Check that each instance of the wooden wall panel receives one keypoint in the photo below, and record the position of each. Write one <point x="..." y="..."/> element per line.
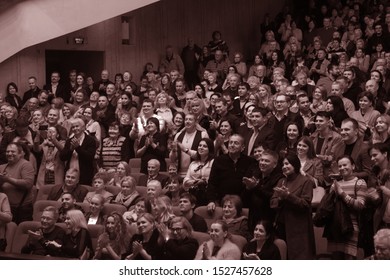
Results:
<point x="156" y="25"/>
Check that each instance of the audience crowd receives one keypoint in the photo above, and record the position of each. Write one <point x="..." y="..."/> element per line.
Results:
<point x="231" y="150"/>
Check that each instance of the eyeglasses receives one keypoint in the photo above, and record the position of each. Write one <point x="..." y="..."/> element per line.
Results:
<point x="178" y="230"/>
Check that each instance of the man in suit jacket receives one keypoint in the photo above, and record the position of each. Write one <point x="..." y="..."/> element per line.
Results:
<point x="153" y="174"/>
<point x="56" y="89"/>
<point x="261" y="133"/>
<point x="70" y="185"/>
<point x="79" y="152"/>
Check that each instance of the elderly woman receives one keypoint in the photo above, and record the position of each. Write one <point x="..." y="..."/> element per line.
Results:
<point x="232" y="216"/>
<point x="153" y="145"/>
<point x="95" y="215"/>
<point x="128" y="194"/>
<point x="179" y="243"/>
<point x="219" y="247"/>
<point x="292" y="199"/>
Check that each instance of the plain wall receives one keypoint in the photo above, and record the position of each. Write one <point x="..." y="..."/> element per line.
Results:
<point x="155" y="26"/>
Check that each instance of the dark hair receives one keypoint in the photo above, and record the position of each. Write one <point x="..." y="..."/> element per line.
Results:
<point x="269" y="229"/>
<point x="338" y="104"/>
<point x="230" y="122"/>
<point x="244" y="84"/>
<point x="367" y="94"/>
<point x="354" y="122"/>
<point x="13" y="85"/>
<point x="311" y="153"/>
<point x="189" y="196"/>
<point x="155" y="121"/>
<point x="347" y="157"/>
<point x="286" y="127"/>
<point x="215" y="33"/>
<point x="210" y="145"/>
<point x="294" y="161"/>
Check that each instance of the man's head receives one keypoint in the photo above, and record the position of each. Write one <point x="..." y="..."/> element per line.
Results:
<point x="52" y="117"/>
<point x="72" y="177"/>
<point x="32" y="83"/>
<point x="14" y="153"/>
<point x="322" y="120"/>
<point x="21" y="127"/>
<point x="190" y="121"/>
<point x="221" y="107"/>
<point x="258" y="117"/>
<point x="147" y="107"/>
<point x="382" y="244"/>
<point x="303" y="103"/>
<point x="218" y="55"/>
<point x="110" y="89"/>
<point x="260" y="71"/>
<point x="187" y="203"/>
<point x="372" y="86"/>
<point x="349" y="73"/>
<point x="333" y="70"/>
<point x="243" y="89"/>
<point x="49" y="218"/>
<point x="153" y="189"/>
<point x="72" y="75"/>
<point x="179" y="86"/>
<point x="349" y="130"/>
<point x="281" y="103"/>
<point x="104" y="75"/>
<point x="67" y="200"/>
<point x="43" y="98"/>
<point x="268" y="161"/>
<point x="153" y="167"/>
<point x="229" y="100"/>
<point x="55" y="77"/>
<point x="301" y="78"/>
<point x="236" y="145"/>
<point x="234" y="80"/>
<point x="78" y="127"/>
<point x="102" y="102"/>
<point x="336" y="89"/>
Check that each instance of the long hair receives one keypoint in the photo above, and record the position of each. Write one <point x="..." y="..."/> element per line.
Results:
<point x="311" y="153"/>
<point x="210" y="146"/>
<point x="77" y="219"/>
<point x="120" y="237"/>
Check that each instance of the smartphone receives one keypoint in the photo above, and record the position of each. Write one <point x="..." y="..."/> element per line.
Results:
<point x="43" y="127"/>
<point x="336" y="177"/>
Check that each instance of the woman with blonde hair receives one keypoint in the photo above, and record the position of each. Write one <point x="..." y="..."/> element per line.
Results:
<point x="77" y="242"/>
<point x="381" y="130"/>
<point x="319" y="99"/>
<point x="162" y="107"/>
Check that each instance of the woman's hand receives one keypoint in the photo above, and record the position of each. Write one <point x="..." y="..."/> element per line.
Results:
<point x="337" y="188"/>
<point x="205" y="252"/>
<point x="137" y="247"/>
<point x="250" y="256"/>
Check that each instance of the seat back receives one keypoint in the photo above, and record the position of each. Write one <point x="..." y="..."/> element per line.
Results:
<point x="109" y="208"/>
<point x="209" y="217"/>
<point x="10" y="231"/>
<point x="95" y="231"/>
<point x="84" y="205"/>
<point x="42" y="204"/>
<point x="21" y="235"/>
<point x="282" y="246"/>
<point x="43" y="192"/>
<point x="135" y="165"/>
<point x="136" y="176"/>
<point x="201" y="237"/>
<point x="113" y="189"/>
<point x="239" y="240"/>
<point x="141" y="190"/>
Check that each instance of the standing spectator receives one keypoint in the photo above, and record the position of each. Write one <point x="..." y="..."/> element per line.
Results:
<point x="12" y="96"/>
<point x="104" y="81"/>
<point x="190" y="56"/>
<point x="79" y="151"/>
<point x="172" y="61"/>
<point x="17" y="178"/>
<point x="292" y="201"/>
<point x="33" y="91"/>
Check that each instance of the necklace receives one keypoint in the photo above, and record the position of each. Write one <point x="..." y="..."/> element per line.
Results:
<point x="188" y="136"/>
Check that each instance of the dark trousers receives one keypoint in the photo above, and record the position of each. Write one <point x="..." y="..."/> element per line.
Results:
<point x="22" y="213"/>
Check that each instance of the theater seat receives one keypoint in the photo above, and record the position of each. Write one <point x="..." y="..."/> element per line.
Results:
<point x="10" y="231"/>
<point x="209" y="217"/>
<point x="21" y="235"/>
<point x="282" y="246"/>
<point x="200" y="236"/>
<point x="109" y="208"/>
<point x="42" y="204"/>
<point x="136" y="176"/>
<point x="135" y="165"/>
<point x="95" y="231"/>
<point x="43" y="192"/>
<point x="141" y="190"/>
<point x="239" y="240"/>
<point x="113" y="189"/>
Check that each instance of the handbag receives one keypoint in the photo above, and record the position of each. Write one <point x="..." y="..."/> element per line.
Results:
<point x="318" y="194"/>
<point x="325" y="209"/>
